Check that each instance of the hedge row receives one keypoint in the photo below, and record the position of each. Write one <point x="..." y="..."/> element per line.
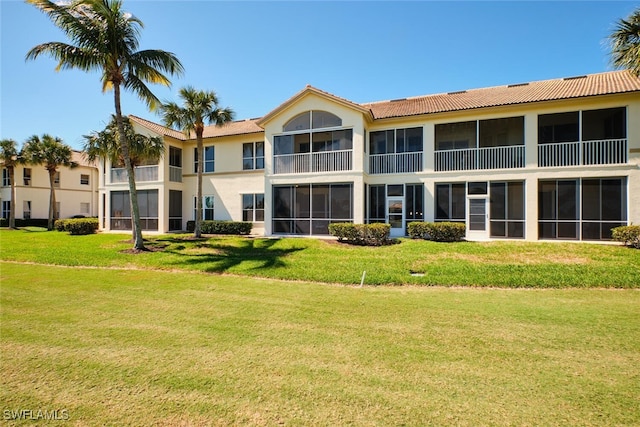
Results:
<point x="627" y="234"/>
<point x="221" y="227"/>
<point x="77" y="226"/>
<point x="361" y="234"/>
<point x="437" y="231"/>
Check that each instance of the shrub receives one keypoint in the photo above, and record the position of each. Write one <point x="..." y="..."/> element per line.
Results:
<point x="4" y="222"/>
<point x="446" y="231"/>
<point x="77" y="226"/>
<point x="222" y="227"/>
<point x="418" y="230"/>
<point x="437" y="231"/>
<point x="361" y="234"/>
<point x="627" y="234"/>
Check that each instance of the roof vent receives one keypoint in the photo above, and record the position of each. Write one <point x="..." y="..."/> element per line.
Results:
<point x="518" y="85"/>
<point x="575" y="78"/>
<point x="456" y="93"/>
<point x="399" y="99"/>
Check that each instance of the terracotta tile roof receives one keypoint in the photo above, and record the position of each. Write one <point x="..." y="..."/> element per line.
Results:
<point x="240" y="127"/>
<point x="547" y="90"/>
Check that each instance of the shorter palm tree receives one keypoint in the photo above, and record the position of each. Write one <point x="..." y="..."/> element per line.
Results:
<point x="10" y="156"/>
<point x="625" y="43"/>
<point x="105" y="144"/>
<point x="52" y="153"/>
<point x="200" y="107"/>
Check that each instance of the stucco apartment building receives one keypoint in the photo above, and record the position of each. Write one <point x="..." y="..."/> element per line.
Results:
<point x="76" y="190"/>
<point x="544" y="160"/>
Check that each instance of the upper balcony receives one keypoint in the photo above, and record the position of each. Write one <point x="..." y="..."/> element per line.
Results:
<point x="509" y="157"/>
<point x="141" y="173"/>
<point x="326" y="161"/>
<point x="602" y="152"/>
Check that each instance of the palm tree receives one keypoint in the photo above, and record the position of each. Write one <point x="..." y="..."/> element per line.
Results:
<point x="52" y="153"/>
<point x="200" y="107"/>
<point x="10" y="156"/>
<point x="105" y="145"/>
<point x="625" y="43"/>
<point x="105" y="38"/>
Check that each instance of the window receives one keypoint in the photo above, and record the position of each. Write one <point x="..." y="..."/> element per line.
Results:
<point x="6" y="179"/>
<point x="584" y="209"/>
<point x="558" y="203"/>
<point x="312" y="120"/>
<point x="450" y="202"/>
<point x="604" y="206"/>
<point x="610" y="123"/>
<point x="26" y="175"/>
<point x="253" y="207"/>
<point x="507" y="209"/>
<point x="309" y="209"/>
<point x="175" y="210"/>
<point x="501" y="132"/>
<point x="121" y="210"/>
<point x="414" y="202"/>
<point x="6" y="207"/>
<point x="556" y="128"/>
<point x="209" y="159"/>
<point x="253" y="155"/>
<point x="456" y="136"/>
<point x="56" y="179"/>
<point x="322" y="141"/>
<point x="84" y="179"/>
<point x="84" y="208"/>
<point x="395" y="141"/>
<point x="377" y="200"/>
<point x="207" y="207"/>
<point x="175" y="164"/>
<point x="26" y="209"/>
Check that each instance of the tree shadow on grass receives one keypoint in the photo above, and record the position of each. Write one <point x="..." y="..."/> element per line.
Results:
<point x="218" y="257"/>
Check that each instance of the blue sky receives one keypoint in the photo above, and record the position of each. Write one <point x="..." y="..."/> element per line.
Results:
<point x="255" y="55"/>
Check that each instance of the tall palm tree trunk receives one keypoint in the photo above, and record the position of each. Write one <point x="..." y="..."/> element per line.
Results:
<point x="12" y="202"/>
<point x="197" y="232"/>
<point x="138" y="243"/>
<point x="52" y="200"/>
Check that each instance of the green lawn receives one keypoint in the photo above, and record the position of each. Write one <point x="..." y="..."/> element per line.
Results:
<point x="493" y="264"/>
<point x="110" y="338"/>
<point x="141" y="347"/>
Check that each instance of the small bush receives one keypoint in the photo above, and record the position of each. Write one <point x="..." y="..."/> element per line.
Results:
<point x="418" y="230"/>
<point x="4" y="222"/>
<point x="237" y="228"/>
<point x="627" y="234"/>
<point x="446" y="231"/>
<point x="32" y="222"/>
<point x="78" y="226"/>
<point x="437" y="231"/>
<point x="361" y="234"/>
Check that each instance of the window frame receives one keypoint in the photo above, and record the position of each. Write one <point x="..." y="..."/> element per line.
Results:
<point x="206" y="162"/>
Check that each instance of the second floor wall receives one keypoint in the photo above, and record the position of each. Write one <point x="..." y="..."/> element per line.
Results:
<point x="316" y="136"/>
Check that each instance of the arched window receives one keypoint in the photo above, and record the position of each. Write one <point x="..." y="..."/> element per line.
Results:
<point x="315" y="119"/>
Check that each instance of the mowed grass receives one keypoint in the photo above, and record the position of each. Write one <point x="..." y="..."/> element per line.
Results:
<point x="491" y="264"/>
<point x="144" y="347"/>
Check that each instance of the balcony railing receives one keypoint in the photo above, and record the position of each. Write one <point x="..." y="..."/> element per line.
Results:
<point x="395" y="163"/>
<point x="141" y="173"/>
<point x="175" y="174"/>
<point x="602" y="152"/>
<point x="509" y="157"/>
<point x="325" y="161"/>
